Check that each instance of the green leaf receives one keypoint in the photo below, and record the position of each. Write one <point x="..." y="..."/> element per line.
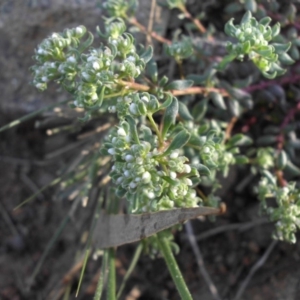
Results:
<point x="202" y="169"/>
<point x="282" y="160"/>
<point x="120" y="192"/>
<point x="265" y="21"/>
<point x="197" y="79"/>
<point x="225" y="61"/>
<point x="235" y="93"/>
<point x="266" y="140"/>
<point x="179" y="85"/>
<point x="178" y="142"/>
<point x="151" y="70"/>
<point x="170" y="116"/>
<point x="167" y="102"/>
<point x="282" y="48"/>
<point x="234" y="107"/>
<point x="291" y="169"/>
<point x="269" y="176"/>
<point x="199" y="110"/>
<point x="184" y="112"/>
<point x="246" y="47"/>
<point x="163" y="81"/>
<point x="211" y="134"/>
<point x="147" y="54"/>
<point x="87" y="43"/>
<point x="246" y="17"/>
<point x="251" y="5"/>
<point x="286" y="59"/>
<point x="233" y="8"/>
<point x="275" y="29"/>
<point x="203" y="128"/>
<point x="229" y="28"/>
<point x="170" y="180"/>
<point x="133" y="129"/>
<point x="217" y="100"/>
<point x="239" y="140"/>
<point x="270" y="75"/>
<point x="241" y="159"/>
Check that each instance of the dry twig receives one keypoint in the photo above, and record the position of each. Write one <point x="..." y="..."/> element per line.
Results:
<point x="253" y="270"/>
<point x="200" y="262"/>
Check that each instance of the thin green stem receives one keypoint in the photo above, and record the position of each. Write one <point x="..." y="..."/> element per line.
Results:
<point x="31" y="115"/>
<point x="173" y="266"/>
<point x="111" y="289"/>
<point x="155" y="128"/>
<point x="133" y="263"/>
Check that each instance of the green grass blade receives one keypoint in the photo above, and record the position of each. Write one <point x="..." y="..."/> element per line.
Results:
<point x="48" y="248"/>
<point x="86" y="257"/>
<point x="31" y="115"/>
<point x="102" y="276"/>
<point x="89" y="241"/>
<point x="133" y="263"/>
<point x="170" y="260"/>
<point x="52" y="183"/>
<point x="111" y="289"/>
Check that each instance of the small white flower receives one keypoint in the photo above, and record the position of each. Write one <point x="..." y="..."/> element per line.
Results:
<point x="96" y="65"/>
<point x="133" y="109"/>
<point x="119" y="180"/>
<point x="71" y="59"/>
<point x="188" y="182"/>
<point x="187" y="168"/>
<point x="127" y="99"/>
<point x="132" y="185"/>
<point x="145" y="99"/>
<point x="248" y="30"/>
<point x="111" y="151"/>
<point x="237" y="32"/>
<point x="129" y="157"/>
<point x="54" y="35"/>
<point x="39" y="86"/>
<point x="206" y="150"/>
<point x="79" y="30"/>
<point x="112" y="109"/>
<point x="173" y="175"/>
<point x="121" y="132"/>
<point x="94" y="97"/>
<point x="86" y="75"/>
<point x="131" y="58"/>
<point x="126" y="173"/>
<point x="174" y="154"/>
<point x="44" y="78"/>
<point x="151" y="195"/>
<point x="146" y="176"/>
<point x="115" y="42"/>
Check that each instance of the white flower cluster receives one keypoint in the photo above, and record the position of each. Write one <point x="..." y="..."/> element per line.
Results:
<point x="95" y="74"/>
<point x="135" y="104"/>
<point x="287" y="212"/>
<point x="159" y="183"/>
<point x="52" y="61"/>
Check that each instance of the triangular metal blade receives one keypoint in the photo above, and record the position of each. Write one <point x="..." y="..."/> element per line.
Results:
<point x="116" y="230"/>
